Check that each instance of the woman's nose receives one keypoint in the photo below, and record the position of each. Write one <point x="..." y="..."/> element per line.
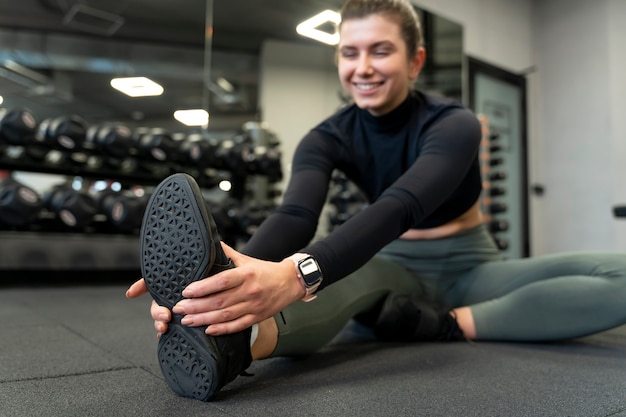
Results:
<point x="364" y="65"/>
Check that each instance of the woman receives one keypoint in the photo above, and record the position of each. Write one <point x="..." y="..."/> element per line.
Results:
<point x="421" y="237"/>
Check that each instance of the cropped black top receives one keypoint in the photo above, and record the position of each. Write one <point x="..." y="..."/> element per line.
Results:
<point x="417" y="166"/>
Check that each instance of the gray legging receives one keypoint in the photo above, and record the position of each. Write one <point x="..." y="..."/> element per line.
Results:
<point x="532" y="299"/>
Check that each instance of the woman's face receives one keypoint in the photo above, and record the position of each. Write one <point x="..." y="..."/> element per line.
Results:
<point x="374" y="67"/>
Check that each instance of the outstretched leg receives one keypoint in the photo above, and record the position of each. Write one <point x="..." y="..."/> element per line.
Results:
<point x="545" y="298"/>
<point x="306" y="327"/>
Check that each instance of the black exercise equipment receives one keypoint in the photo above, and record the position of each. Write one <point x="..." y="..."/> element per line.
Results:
<point x="619" y="211"/>
<point x="75" y="209"/>
<point x="496" y="226"/>
<point x="252" y="215"/>
<point x="495" y="208"/>
<point x="502" y="244"/>
<point x="112" y="139"/>
<point x="495" y="190"/>
<point x="112" y="144"/>
<point x="229" y="156"/>
<point x="344" y="199"/>
<point x="199" y="151"/>
<point x="497" y="176"/>
<point x="496" y="161"/>
<point x="17" y="126"/>
<point x="20" y="205"/>
<point x="63" y="133"/>
<point x="156" y="145"/>
<point x="123" y="210"/>
<point x="262" y="160"/>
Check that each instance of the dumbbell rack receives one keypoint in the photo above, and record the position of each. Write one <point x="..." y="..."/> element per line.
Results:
<point x="70" y="252"/>
<point x="497" y="200"/>
<point x="86" y="254"/>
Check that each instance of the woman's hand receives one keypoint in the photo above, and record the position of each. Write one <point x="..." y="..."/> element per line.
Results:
<point x="160" y="314"/>
<point x="234" y="299"/>
<point x="237" y="298"/>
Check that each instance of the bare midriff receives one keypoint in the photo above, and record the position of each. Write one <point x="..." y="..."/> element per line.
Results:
<point x="468" y="220"/>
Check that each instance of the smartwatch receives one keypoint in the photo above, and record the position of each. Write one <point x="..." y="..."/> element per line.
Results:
<point x="308" y="272"/>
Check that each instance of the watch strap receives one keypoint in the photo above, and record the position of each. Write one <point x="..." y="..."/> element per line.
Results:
<point x="310" y="289"/>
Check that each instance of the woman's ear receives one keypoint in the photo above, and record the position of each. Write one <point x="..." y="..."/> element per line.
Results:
<point x="417" y="63"/>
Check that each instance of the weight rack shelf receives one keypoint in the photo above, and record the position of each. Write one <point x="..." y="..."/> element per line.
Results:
<point x="37" y="245"/>
<point x="68" y="251"/>
<point x="152" y="175"/>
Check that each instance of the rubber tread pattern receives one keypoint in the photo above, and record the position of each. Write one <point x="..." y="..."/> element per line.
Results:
<point x="179" y="241"/>
<point x="174" y="240"/>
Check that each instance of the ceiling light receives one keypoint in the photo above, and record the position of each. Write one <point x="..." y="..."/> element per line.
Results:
<point x="1" y="100"/>
<point x="192" y="117"/>
<point x="225" y="185"/>
<point x="309" y="27"/>
<point x="137" y="86"/>
<point x="225" y="85"/>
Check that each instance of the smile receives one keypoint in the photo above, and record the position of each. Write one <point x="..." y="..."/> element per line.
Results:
<point x="367" y="86"/>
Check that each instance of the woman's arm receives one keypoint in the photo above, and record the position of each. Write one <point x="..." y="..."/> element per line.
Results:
<point x="450" y="147"/>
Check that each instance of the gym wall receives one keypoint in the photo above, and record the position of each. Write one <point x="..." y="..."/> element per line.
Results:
<point x="571" y="52"/>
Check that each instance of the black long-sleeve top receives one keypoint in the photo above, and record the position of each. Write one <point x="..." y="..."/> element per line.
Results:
<point x="417" y="166"/>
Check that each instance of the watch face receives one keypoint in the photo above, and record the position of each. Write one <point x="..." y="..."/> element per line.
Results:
<point x="310" y="271"/>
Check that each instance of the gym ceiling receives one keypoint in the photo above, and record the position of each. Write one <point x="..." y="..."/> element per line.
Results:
<point x="67" y="51"/>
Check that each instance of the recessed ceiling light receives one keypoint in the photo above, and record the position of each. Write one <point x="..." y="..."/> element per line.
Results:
<point x="137" y="86"/>
<point x="225" y="85"/>
<point x="309" y="27"/>
<point x="192" y="117"/>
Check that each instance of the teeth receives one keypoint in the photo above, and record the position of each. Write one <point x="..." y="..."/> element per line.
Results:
<point x="367" y="86"/>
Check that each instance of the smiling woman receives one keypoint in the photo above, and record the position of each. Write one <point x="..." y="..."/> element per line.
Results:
<point x="373" y="65"/>
<point x="416" y="264"/>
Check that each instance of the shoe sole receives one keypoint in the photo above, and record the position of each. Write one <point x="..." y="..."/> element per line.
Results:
<point x="177" y="234"/>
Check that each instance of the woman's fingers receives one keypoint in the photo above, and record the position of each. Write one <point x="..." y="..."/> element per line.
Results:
<point x="137" y="289"/>
<point x="160" y="313"/>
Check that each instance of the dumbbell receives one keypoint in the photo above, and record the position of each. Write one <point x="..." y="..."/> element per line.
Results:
<point x="495" y="191"/>
<point x="263" y="160"/>
<point x="17" y="127"/>
<point x="502" y="244"/>
<point x="199" y="151"/>
<point x="63" y="133"/>
<point x="19" y="205"/>
<point x="111" y="139"/>
<point x="75" y="209"/>
<point x="124" y="210"/>
<point x="495" y="208"/>
<point x="230" y="155"/>
<point x="496" y="226"/>
<point x="156" y="145"/>
<point x="65" y="137"/>
<point x="252" y="216"/>
<point x="114" y="144"/>
<point x="345" y="197"/>
<point x="497" y="176"/>
<point x="496" y="161"/>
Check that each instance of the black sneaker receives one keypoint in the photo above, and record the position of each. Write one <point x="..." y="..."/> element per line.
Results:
<point x="180" y="245"/>
<point x="405" y="318"/>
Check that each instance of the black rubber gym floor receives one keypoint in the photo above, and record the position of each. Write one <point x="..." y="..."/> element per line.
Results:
<point x="88" y="351"/>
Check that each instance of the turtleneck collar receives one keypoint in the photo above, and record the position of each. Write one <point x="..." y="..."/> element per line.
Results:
<point x="390" y="121"/>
